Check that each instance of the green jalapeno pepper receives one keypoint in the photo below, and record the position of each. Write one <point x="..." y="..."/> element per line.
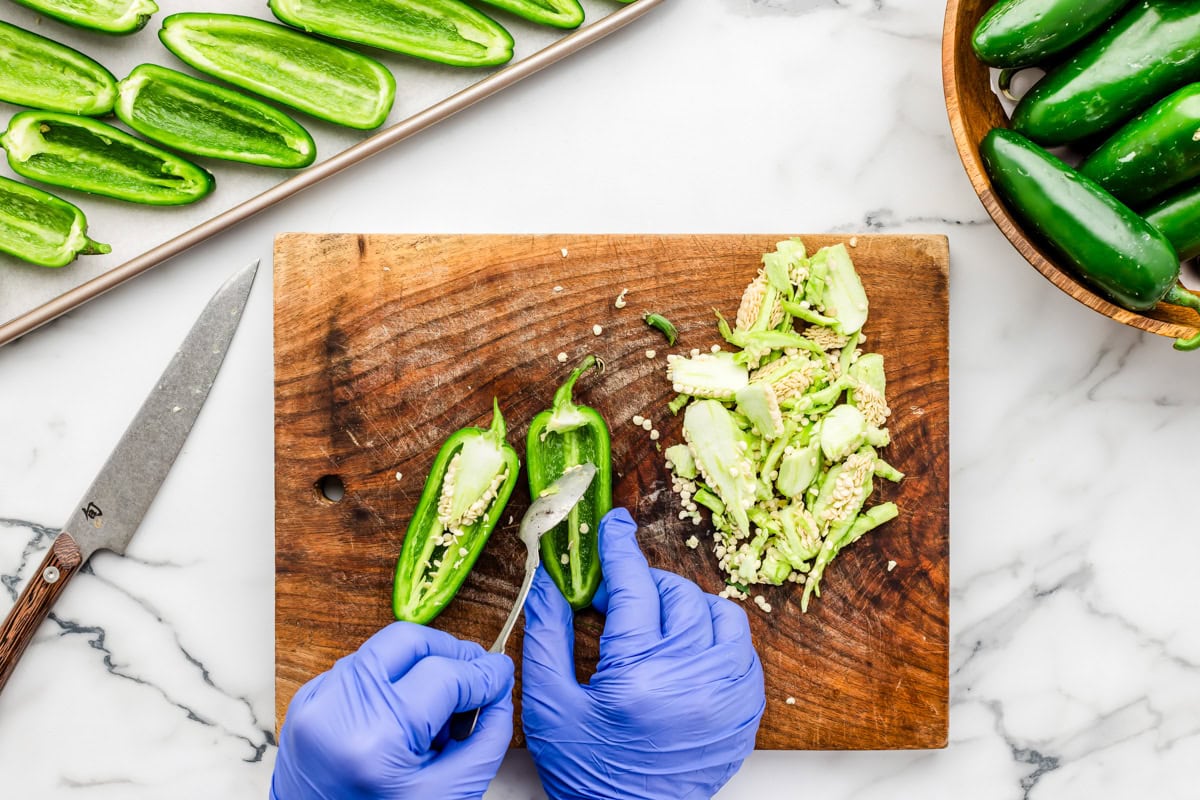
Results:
<point x="1150" y="51"/>
<point x="105" y="16"/>
<point x="556" y="13"/>
<point x="471" y="480"/>
<point x="1112" y="249"/>
<point x="446" y="31"/>
<point x="1021" y="33"/>
<point x="662" y="325"/>
<point x="89" y="156"/>
<point x="38" y="227"/>
<point x="1152" y="154"/>
<point x="1178" y="218"/>
<point x="201" y="118"/>
<point x="561" y="437"/>
<point x="41" y="73"/>
<point x="310" y="75"/>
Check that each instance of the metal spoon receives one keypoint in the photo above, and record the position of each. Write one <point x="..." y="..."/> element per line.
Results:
<point x="547" y="510"/>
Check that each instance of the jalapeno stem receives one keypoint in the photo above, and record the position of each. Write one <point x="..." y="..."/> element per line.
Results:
<point x="562" y="396"/>
<point x="564" y="414"/>
<point x="1180" y="296"/>
<point x="498" y="430"/>
<point x="94" y="248"/>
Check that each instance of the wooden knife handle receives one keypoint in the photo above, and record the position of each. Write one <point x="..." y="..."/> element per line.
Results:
<point x="61" y="562"/>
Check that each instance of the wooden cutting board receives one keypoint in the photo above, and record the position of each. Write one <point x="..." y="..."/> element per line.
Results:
<point x="384" y="345"/>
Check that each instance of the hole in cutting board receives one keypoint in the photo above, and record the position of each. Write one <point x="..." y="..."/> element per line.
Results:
<point x="331" y="488"/>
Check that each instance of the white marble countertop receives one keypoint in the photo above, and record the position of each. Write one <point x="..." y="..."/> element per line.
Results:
<point x="1075" y="652"/>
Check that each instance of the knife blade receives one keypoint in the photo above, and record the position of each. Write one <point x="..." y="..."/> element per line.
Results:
<point x="112" y="508"/>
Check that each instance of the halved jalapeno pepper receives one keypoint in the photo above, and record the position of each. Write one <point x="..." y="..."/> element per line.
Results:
<point x="90" y="156"/>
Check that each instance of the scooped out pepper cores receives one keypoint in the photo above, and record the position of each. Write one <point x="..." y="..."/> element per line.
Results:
<point x="468" y="487"/>
<point x="561" y="437"/>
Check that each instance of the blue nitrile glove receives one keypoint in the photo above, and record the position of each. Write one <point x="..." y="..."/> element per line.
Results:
<point x="366" y="728"/>
<point x="675" y="702"/>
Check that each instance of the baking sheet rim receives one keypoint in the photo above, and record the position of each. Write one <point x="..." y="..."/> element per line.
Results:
<point x="514" y="73"/>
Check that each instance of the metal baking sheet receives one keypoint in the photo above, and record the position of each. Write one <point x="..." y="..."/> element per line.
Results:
<point x="143" y="237"/>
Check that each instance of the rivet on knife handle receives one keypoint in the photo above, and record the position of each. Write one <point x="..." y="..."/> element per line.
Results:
<point x="16" y="632"/>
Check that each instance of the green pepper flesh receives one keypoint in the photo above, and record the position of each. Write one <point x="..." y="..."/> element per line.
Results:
<point x="429" y="572"/>
<point x="105" y="16"/>
<point x="1114" y="250"/>
<point x="204" y="119"/>
<point x="556" y="13"/>
<point x="319" y="78"/>
<point x="1150" y="51"/>
<point x="41" y="73"/>
<point x="564" y="436"/>
<point x="90" y="156"/>
<point x="42" y="229"/>
<point x="445" y="31"/>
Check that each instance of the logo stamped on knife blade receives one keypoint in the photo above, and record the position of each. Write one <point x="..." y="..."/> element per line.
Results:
<point x="93" y="513"/>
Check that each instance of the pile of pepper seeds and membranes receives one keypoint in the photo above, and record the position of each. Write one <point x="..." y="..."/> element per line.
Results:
<point x="781" y="435"/>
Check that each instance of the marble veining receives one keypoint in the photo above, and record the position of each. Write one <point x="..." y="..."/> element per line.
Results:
<point x="256" y="737"/>
<point x="1075" y="654"/>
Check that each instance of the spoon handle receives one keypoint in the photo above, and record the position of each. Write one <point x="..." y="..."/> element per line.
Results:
<point x="532" y="560"/>
<point x="462" y="723"/>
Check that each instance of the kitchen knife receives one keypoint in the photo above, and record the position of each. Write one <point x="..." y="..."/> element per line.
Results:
<point x="111" y="510"/>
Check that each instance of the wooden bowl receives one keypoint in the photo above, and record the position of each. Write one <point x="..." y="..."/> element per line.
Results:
<point x="974" y="110"/>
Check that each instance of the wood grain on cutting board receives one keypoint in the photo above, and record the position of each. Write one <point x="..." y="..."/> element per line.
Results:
<point x="385" y="345"/>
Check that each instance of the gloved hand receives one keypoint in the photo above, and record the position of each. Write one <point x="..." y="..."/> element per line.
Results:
<point x="366" y="728"/>
<point x="677" y="696"/>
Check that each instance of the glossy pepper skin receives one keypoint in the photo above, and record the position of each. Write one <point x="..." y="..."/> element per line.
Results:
<point x="1117" y="252"/>
<point x="37" y="227"/>
<point x="87" y="155"/>
<point x="475" y="467"/>
<point x="41" y="73"/>
<point x="280" y="63"/>
<point x="563" y="436"/>
<point x="1108" y="246"/>
<point x="105" y="16"/>
<point x="1148" y="52"/>
<point x="1178" y="218"/>
<point x="446" y="31"/>
<point x="1154" y="153"/>
<point x="1021" y="33"/>
<point x="203" y="119"/>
